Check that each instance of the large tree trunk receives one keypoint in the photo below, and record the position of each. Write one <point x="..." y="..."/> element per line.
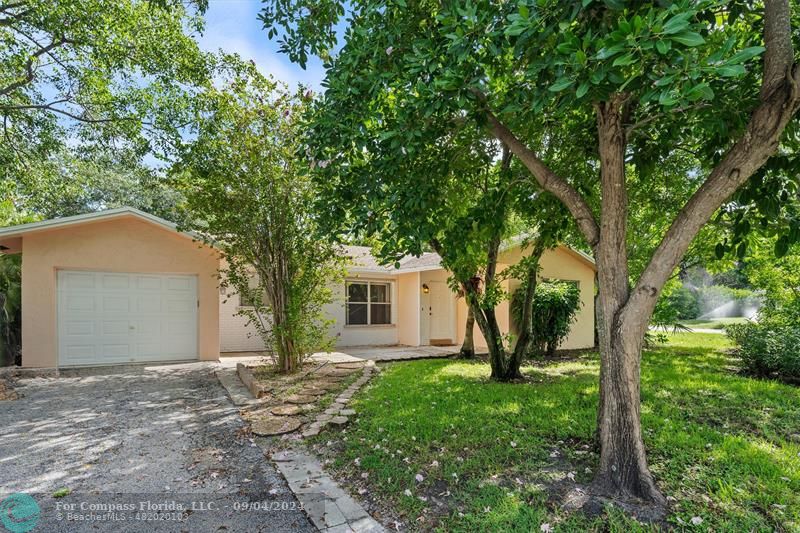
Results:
<point x="623" y="471"/>
<point x="468" y="346"/>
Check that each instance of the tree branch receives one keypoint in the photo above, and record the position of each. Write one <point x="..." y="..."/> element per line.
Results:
<point x="30" y="73"/>
<point x="780" y="99"/>
<point x="547" y="179"/>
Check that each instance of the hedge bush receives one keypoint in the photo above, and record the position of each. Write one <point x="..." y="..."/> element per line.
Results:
<point x="768" y="349"/>
<point x="555" y="307"/>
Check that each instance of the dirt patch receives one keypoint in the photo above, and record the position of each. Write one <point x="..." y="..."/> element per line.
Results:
<point x="7" y="392"/>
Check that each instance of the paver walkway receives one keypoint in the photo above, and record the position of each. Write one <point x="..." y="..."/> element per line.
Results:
<point x="329" y="507"/>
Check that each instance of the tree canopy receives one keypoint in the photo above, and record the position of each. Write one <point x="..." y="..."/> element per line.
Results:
<point x="90" y="72"/>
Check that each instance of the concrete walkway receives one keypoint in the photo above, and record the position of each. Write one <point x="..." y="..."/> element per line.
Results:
<point x="352" y="354"/>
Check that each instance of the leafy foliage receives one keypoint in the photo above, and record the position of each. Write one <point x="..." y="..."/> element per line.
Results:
<point x="768" y="348"/>
<point x="95" y="73"/>
<point x="250" y="195"/>
<point x="71" y="183"/>
<point x="555" y="306"/>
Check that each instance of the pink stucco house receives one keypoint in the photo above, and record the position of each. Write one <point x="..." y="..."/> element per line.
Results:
<point x="123" y="286"/>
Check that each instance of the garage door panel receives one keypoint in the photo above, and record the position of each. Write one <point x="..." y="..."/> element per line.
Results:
<point x="79" y="328"/>
<point x="77" y="280"/>
<point x="77" y="352"/>
<point x="180" y="306"/>
<point x="179" y="328"/>
<point x="80" y="303"/>
<point x="181" y="284"/>
<point x="119" y="318"/>
<point x="149" y="303"/>
<point x="116" y="304"/>
<point x="148" y="283"/>
<point x="116" y="351"/>
<point x="148" y="328"/>
<point x="116" y="281"/>
<point x="115" y="327"/>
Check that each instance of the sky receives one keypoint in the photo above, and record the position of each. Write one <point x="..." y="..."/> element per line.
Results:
<point x="233" y="26"/>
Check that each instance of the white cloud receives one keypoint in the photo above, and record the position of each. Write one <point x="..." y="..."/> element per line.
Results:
<point x="233" y="26"/>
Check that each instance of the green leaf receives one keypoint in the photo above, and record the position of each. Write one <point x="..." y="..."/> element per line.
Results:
<point x="677" y="23"/>
<point x="743" y="55"/>
<point x="611" y="51"/>
<point x="560" y="85"/>
<point x="688" y="38"/>
<point x="524" y="11"/>
<point x="666" y="98"/>
<point x="730" y="71"/>
<point x="583" y="88"/>
<point x="621" y="61"/>
<point x="741" y="250"/>
<point x="663" y="46"/>
<point x="781" y="246"/>
<point x="666" y="80"/>
<point x="701" y="91"/>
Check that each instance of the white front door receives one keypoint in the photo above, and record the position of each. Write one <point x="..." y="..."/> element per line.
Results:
<point x="440" y="312"/>
<point x="112" y="318"/>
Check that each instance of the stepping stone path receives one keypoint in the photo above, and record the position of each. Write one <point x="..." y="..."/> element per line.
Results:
<point x="329" y="507"/>
<point x="287" y="410"/>
<point x="300" y="399"/>
<point x="271" y="419"/>
<point x="337" y="413"/>
<point x="312" y="391"/>
<point x="275" y="425"/>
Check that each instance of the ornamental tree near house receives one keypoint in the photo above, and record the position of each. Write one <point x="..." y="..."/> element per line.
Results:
<point x="454" y="196"/>
<point x="629" y="83"/>
<point x="248" y="193"/>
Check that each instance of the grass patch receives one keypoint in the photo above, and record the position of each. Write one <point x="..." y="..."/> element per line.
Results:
<point x="714" y="323"/>
<point x="723" y="447"/>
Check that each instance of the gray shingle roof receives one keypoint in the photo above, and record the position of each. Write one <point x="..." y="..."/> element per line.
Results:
<point x="362" y="258"/>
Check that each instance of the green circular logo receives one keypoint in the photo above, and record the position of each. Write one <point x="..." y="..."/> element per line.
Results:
<point x="19" y="513"/>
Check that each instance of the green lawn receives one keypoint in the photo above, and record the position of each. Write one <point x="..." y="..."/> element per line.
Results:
<point x="723" y="448"/>
<point x="714" y="323"/>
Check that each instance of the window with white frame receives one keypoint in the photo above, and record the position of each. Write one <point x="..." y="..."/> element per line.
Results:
<point x="368" y="303"/>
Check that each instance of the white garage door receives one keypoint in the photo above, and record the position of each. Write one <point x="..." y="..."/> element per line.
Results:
<point x="110" y="318"/>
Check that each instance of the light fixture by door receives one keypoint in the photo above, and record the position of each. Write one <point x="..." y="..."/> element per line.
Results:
<point x="425" y="288"/>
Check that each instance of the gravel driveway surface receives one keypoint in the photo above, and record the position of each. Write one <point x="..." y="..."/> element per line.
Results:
<point x="165" y="435"/>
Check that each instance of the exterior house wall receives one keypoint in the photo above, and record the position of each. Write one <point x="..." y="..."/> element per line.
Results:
<point x="558" y="264"/>
<point x="235" y="335"/>
<point x="124" y="244"/>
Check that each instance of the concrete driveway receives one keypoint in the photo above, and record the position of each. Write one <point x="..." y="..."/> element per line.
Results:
<point x="148" y="449"/>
